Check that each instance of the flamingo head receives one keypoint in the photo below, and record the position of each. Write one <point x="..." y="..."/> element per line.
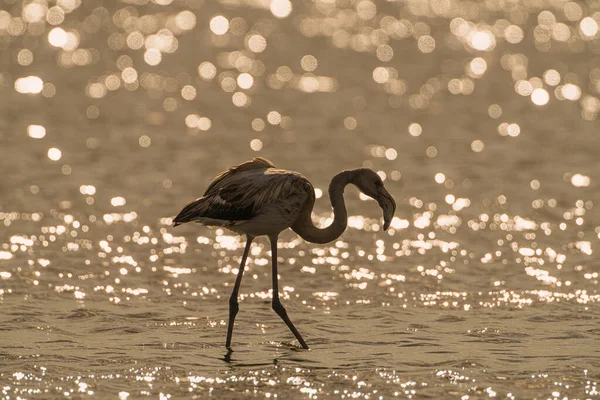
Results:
<point x="370" y="183"/>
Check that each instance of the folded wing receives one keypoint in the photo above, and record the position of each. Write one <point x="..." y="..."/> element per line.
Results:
<point x="242" y="191"/>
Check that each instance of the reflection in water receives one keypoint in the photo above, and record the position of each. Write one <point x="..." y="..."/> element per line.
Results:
<point x="479" y="116"/>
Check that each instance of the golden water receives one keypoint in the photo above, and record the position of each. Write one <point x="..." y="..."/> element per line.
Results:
<point x="481" y="117"/>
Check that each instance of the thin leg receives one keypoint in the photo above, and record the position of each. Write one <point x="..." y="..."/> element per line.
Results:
<point x="277" y="306"/>
<point x="233" y="301"/>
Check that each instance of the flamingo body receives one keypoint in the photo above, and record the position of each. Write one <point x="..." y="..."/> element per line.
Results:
<point x="254" y="198"/>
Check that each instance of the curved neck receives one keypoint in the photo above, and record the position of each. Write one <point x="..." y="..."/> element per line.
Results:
<point x="304" y="225"/>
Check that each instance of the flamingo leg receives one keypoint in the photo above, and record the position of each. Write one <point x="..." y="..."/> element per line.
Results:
<point x="277" y="306"/>
<point x="233" y="300"/>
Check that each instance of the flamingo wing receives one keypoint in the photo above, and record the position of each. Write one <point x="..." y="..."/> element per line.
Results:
<point x="242" y="191"/>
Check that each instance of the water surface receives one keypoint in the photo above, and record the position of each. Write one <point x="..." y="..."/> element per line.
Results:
<point x="480" y="116"/>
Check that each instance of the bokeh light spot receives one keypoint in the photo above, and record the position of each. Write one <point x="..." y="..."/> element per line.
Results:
<point x="495" y="111"/>
<point x="207" y="71"/>
<point x="256" y="144"/>
<point x="540" y="97"/>
<point x="25" y="57"/>
<point x="308" y="63"/>
<point x="274" y="117"/>
<point x="219" y="25"/>
<point x="281" y="8"/>
<point x="589" y="27"/>
<point x="482" y="40"/>
<point x="477" y="146"/>
<point x="426" y="44"/>
<point x="257" y="43"/>
<point x="54" y="154"/>
<point x="145" y="141"/>
<point x="245" y="80"/>
<point x="57" y="37"/>
<point x="36" y="131"/>
<point x="29" y="84"/>
<point x="415" y="129"/>
<point x="350" y="123"/>
<point x="258" y="124"/>
<point x="186" y="20"/>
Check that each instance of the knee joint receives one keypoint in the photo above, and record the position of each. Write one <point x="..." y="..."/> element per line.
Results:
<point x="278" y="308"/>
<point x="233" y="304"/>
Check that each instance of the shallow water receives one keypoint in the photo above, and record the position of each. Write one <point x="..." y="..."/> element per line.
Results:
<point x="481" y="117"/>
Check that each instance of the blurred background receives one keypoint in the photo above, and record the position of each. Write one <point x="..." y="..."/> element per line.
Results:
<point x="481" y="117"/>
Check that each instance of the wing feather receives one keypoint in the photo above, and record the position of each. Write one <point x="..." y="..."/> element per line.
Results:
<point x="242" y="191"/>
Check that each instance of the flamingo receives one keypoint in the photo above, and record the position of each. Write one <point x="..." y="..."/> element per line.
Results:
<point x="255" y="198"/>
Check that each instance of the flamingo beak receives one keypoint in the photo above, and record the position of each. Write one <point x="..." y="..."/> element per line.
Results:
<point x="388" y="205"/>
